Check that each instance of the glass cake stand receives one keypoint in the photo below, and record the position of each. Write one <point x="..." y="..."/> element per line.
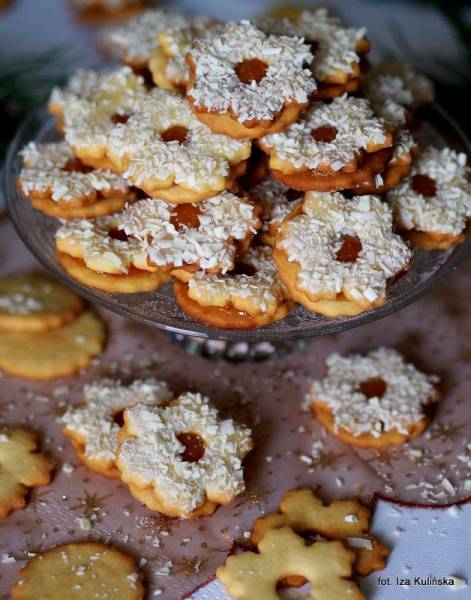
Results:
<point x="159" y="309"/>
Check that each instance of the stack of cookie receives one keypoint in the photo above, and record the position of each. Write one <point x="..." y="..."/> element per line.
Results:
<point x="45" y="331"/>
<point x="176" y="455"/>
<point x="258" y="164"/>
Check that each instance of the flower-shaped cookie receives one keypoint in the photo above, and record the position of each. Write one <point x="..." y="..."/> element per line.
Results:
<point x="245" y="83"/>
<point x="251" y="296"/>
<point x="164" y="150"/>
<point x="375" y="400"/>
<point x="433" y="205"/>
<point x="332" y="146"/>
<point x="93" y="426"/>
<point x="182" y="460"/>
<point x="336" y="255"/>
<point x="203" y="236"/>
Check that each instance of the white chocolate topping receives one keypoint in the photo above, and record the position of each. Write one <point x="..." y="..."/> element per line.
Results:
<point x="313" y="239"/>
<point x="223" y="220"/>
<point x="407" y="392"/>
<point x="203" y="159"/>
<point x="153" y="453"/>
<point x="218" y="88"/>
<point x="337" y="44"/>
<point x="449" y="209"/>
<point x="260" y="293"/>
<point x="356" y="126"/>
<point x="93" y="420"/>
<point x="44" y="173"/>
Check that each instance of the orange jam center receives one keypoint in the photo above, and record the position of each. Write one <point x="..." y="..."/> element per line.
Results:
<point x="324" y="133"/>
<point x="425" y="185"/>
<point x="117" y="118"/>
<point x="185" y="215"/>
<point x="118" y="234"/>
<point x="194" y="446"/>
<point x="76" y="165"/>
<point x="252" y="69"/>
<point x="373" y="388"/>
<point x="176" y="133"/>
<point x="349" y="250"/>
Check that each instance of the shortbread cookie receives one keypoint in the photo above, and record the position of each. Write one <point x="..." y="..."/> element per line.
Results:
<point x="79" y="571"/>
<point x="167" y="63"/>
<point x="134" y="41"/>
<point x="91" y="106"/>
<point x="337" y="49"/>
<point x="373" y="401"/>
<point x="327" y="566"/>
<point x="56" y="182"/>
<point x="205" y="236"/>
<point x="432" y="207"/>
<point x="277" y="201"/>
<point x="336" y="255"/>
<point x="249" y="297"/>
<point x="22" y="467"/>
<point x="396" y="90"/>
<point x="93" y="426"/>
<point x="344" y="520"/>
<point x="333" y="146"/>
<point x="164" y="150"/>
<point x="182" y="460"/>
<point x="245" y="83"/>
<point x="52" y="354"/>
<point x="35" y="302"/>
<point x="404" y="150"/>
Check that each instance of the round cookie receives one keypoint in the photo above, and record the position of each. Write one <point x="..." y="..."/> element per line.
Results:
<point x="332" y="147"/>
<point x="373" y="401"/>
<point x="22" y="467"/>
<point x="91" y="106"/>
<point x="62" y="186"/>
<point x="338" y="50"/>
<point x="250" y="297"/>
<point x="432" y="206"/>
<point x="188" y="237"/>
<point x="134" y="41"/>
<point x="77" y="571"/>
<point x="396" y="91"/>
<point x="262" y="85"/>
<point x="34" y="303"/>
<point x="335" y="255"/>
<point x="52" y="354"/>
<point x="182" y="460"/>
<point x="165" y="151"/>
<point x="93" y="426"/>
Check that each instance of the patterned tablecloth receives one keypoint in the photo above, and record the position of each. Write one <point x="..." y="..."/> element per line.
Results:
<point x="178" y="556"/>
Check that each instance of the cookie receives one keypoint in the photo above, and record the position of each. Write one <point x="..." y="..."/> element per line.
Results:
<point x="52" y="354"/>
<point x="91" y="105"/>
<point x="134" y="41"/>
<point x="336" y="255"/>
<point x="373" y="401"/>
<point x="327" y="566"/>
<point x="188" y="237"/>
<point x="93" y="426"/>
<point x="432" y="206"/>
<point x="277" y="201"/>
<point x="246" y="84"/>
<point x="165" y="151"/>
<point x="182" y="459"/>
<point x="396" y="91"/>
<point x="62" y="186"/>
<point x="342" y="520"/>
<point x="22" y="467"/>
<point x="338" y="50"/>
<point x="167" y="63"/>
<point x="35" y="302"/>
<point x="249" y="297"/>
<point x="78" y="571"/>
<point x="332" y="147"/>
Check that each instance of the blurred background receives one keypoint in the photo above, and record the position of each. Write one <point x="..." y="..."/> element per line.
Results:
<point x="41" y="41"/>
